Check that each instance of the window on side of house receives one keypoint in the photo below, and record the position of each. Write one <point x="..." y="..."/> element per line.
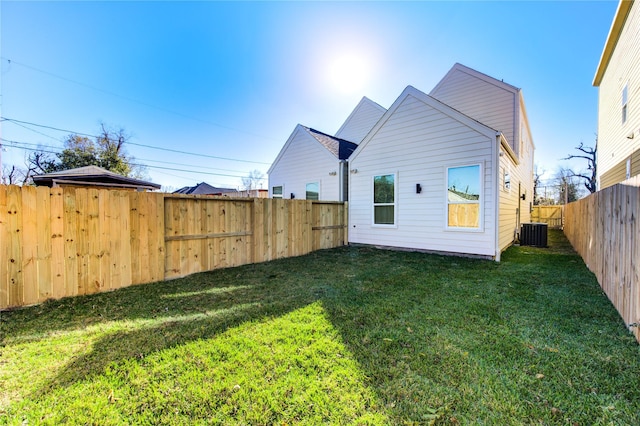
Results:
<point x="464" y="196"/>
<point x="625" y="103"/>
<point x="628" y="164"/>
<point x="384" y="199"/>
<point x="276" y="191"/>
<point x="313" y="191"/>
<point x="506" y="180"/>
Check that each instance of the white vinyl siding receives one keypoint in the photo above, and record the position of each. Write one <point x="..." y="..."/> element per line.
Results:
<point x="492" y="103"/>
<point x="618" y="140"/>
<point x="304" y="160"/>
<point x="420" y="141"/>
<point x="365" y="115"/>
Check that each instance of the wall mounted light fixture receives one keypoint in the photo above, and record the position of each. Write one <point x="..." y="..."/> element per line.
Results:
<point x="418" y="188"/>
<point x="293" y="195"/>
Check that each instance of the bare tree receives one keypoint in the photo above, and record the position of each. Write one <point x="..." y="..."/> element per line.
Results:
<point x="537" y="178"/>
<point x="11" y="176"/>
<point x="569" y="189"/>
<point x="589" y="154"/>
<point x="253" y="180"/>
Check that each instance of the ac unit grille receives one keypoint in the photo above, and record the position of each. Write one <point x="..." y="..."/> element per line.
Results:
<point x="533" y="234"/>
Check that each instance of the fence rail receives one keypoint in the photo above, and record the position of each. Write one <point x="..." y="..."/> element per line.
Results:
<point x="551" y="215"/>
<point x="603" y="229"/>
<point x="57" y="242"/>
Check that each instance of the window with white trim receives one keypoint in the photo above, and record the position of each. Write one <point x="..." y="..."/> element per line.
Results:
<point x="625" y="103"/>
<point x="384" y="199"/>
<point x="464" y="196"/>
<point x="276" y="191"/>
<point x="312" y="191"/>
<point x="506" y="180"/>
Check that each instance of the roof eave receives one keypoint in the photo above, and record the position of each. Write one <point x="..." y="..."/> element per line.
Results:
<point x="612" y="39"/>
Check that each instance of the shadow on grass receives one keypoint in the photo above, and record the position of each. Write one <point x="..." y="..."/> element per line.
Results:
<point x="439" y="338"/>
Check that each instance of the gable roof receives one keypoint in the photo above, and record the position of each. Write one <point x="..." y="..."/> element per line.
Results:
<point x="362" y="119"/>
<point x="203" y="188"/>
<point x="92" y="176"/>
<point x="612" y="39"/>
<point x="458" y="67"/>
<point x="432" y="102"/>
<point x="338" y="148"/>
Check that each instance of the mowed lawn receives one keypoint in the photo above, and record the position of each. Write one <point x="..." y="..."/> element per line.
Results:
<point x="345" y="336"/>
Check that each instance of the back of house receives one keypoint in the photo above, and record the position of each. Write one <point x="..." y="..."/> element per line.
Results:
<point x="448" y="172"/>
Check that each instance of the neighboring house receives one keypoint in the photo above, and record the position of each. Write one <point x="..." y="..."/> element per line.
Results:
<point x="204" y="188"/>
<point x="253" y="193"/>
<point x="618" y="80"/>
<point x="448" y="172"/>
<point x="313" y="164"/>
<point x="93" y="176"/>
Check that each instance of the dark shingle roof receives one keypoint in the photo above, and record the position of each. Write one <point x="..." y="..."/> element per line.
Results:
<point x="203" y="188"/>
<point x="341" y="148"/>
<point x="91" y="175"/>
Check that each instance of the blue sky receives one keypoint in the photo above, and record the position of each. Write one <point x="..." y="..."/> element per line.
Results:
<point x="232" y="79"/>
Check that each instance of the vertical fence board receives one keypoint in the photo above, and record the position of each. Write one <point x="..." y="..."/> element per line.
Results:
<point x="59" y="242"/>
<point x="14" y="264"/>
<point x="138" y="237"/>
<point x="29" y="240"/>
<point x="604" y="231"/>
<point x="5" y="248"/>
<point x="44" y="256"/>
<point x="71" y="251"/>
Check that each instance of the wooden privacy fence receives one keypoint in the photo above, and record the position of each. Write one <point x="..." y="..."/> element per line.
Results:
<point x="57" y="242"/>
<point x="551" y="215"/>
<point x="603" y="229"/>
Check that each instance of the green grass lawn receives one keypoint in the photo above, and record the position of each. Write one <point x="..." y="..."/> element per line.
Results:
<point x="344" y="336"/>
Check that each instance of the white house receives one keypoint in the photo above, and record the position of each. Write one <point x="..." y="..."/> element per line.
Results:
<point x="618" y="80"/>
<point x="448" y="172"/>
<point x="312" y="164"/>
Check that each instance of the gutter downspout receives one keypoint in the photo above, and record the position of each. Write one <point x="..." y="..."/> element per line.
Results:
<point x="341" y="179"/>
<point x="496" y="191"/>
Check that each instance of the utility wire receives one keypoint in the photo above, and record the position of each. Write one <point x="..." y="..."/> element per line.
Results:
<point x="212" y="123"/>
<point x="16" y="144"/>
<point x="136" y="158"/>
<point x="12" y="120"/>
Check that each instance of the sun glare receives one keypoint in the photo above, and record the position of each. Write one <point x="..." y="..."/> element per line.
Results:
<point x="348" y="72"/>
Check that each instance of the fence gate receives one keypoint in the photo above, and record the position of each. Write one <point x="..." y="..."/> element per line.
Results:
<point x="553" y="216"/>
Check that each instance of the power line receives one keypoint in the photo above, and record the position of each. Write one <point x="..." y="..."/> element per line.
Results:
<point x="17" y="122"/>
<point x="108" y="92"/>
<point x="12" y="120"/>
<point x="16" y="144"/>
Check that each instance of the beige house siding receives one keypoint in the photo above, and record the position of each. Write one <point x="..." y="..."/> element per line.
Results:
<point x="618" y="141"/>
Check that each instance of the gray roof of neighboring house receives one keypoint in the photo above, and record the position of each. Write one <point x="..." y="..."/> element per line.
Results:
<point x="203" y="188"/>
<point x="341" y="148"/>
<point x="92" y="175"/>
